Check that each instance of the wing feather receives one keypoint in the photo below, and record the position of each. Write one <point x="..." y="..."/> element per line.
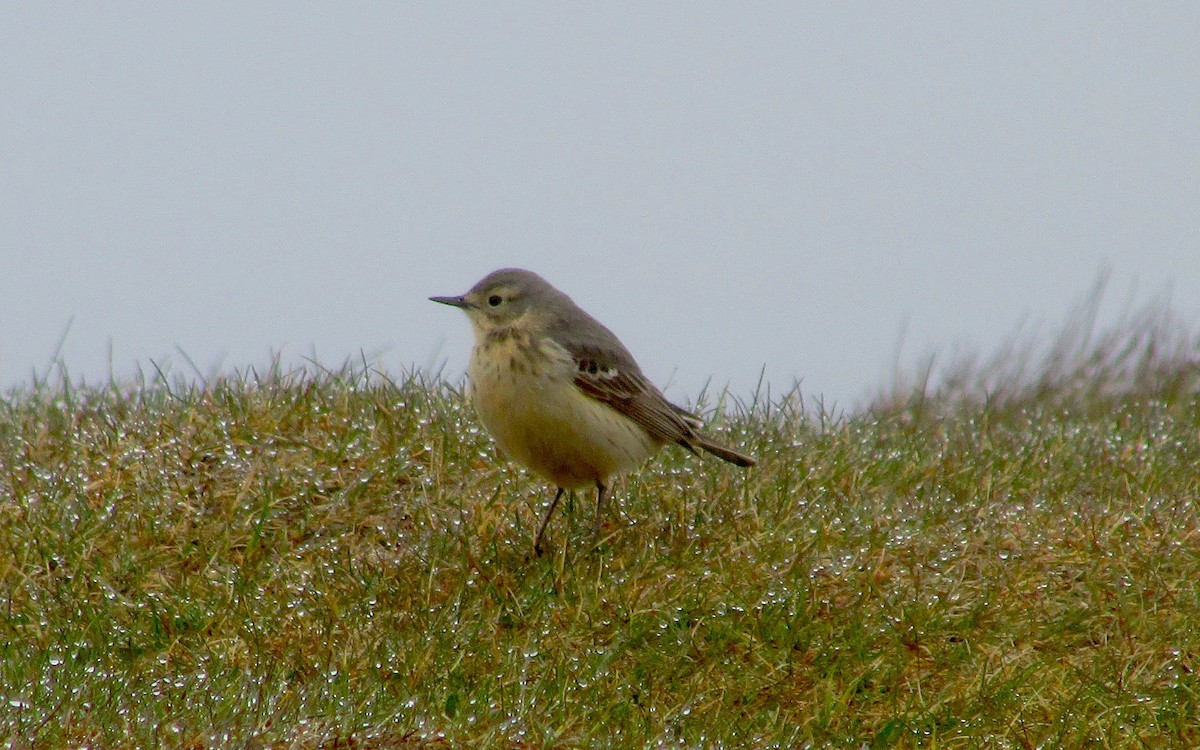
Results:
<point x="623" y="387"/>
<point x="607" y="372"/>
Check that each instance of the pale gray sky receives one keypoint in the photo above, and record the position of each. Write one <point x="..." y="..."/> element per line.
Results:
<point x="729" y="187"/>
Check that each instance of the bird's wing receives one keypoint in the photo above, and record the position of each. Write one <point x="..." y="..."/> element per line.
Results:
<point x="610" y="375"/>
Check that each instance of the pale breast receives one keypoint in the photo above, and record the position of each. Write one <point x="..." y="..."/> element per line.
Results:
<point x="527" y="399"/>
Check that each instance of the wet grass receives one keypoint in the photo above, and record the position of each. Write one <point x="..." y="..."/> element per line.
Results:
<point x="337" y="560"/>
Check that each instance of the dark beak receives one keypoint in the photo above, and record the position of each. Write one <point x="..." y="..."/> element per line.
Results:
<point x="459" y="301"/>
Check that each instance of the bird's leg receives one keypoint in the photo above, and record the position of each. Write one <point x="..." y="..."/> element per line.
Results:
<point x="537" y="545"/>
<point x="600" y="492"/>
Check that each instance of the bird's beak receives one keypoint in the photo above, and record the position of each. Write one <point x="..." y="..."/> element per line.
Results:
<point x="459" y="301"/>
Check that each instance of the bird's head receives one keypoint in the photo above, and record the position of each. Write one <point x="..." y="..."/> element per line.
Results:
<point x="502" y="298"/>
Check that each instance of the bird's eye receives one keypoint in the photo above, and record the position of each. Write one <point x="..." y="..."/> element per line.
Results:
<point x="495" y="300"/>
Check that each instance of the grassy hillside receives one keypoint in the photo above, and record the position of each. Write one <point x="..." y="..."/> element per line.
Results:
<point x="337" y="560"/>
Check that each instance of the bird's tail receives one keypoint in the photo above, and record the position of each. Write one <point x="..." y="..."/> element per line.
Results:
<point x="723" y="453"/>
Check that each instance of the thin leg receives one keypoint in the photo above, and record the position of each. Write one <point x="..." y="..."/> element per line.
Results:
<point x="600" y="492"/>
<point x="537" y="545"/>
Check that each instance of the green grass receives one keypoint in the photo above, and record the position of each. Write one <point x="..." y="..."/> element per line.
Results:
<point x="337" y="560"/>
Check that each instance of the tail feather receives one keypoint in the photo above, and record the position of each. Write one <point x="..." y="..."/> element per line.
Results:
<point x="723" y="453"/>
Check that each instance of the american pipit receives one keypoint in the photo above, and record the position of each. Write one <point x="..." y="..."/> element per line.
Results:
<point x="561" y="394"/>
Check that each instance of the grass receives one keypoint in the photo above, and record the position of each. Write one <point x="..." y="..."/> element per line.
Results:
<point x="333" y="559"/>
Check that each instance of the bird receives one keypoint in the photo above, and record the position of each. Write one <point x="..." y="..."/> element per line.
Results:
<point x="560" y="394"/>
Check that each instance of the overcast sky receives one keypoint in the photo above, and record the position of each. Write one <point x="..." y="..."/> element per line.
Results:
<point x="732" y="188"/>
